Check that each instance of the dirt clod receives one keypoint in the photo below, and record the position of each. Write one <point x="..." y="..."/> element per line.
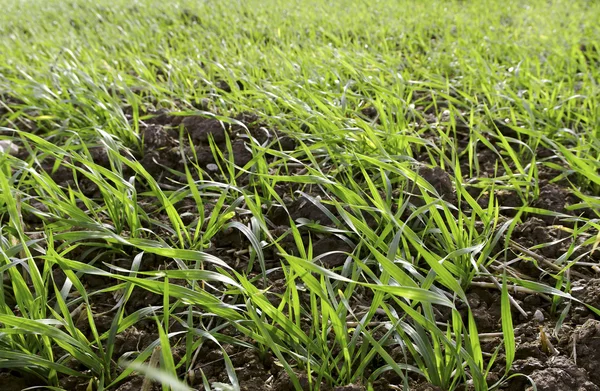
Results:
<point x="301" y="208"/>
<point x="535" y="232"/>
<point x="588" y="292"/>
<point x="439" y="179"/>
<point x="370" y="112"/>
<point x="286" y="143"/>
<point x="484" y="311"/>
<point x="241" y="154"/>
<point x="10" y="382"/>
<point x="155" y="137"/>
<point x="562" y="375"/>
<point x="587" y="343"/>
<point x="201" y="129"/>
<point x="553" y="198"/>
<point x="329" y="244"/>
<point x="285" y="383"/>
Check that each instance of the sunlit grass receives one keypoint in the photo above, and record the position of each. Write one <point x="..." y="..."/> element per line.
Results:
<point x="501" y="96"/>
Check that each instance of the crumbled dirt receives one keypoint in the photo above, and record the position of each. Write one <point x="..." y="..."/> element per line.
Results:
<point x="561" y="374"/>
<point x="169" y="141"/>
<point x="132" y="340"/>
<point x="509" y="201"/>
<point x="534" y="231"/>
<point x="284" y="382"/>
<point x="551" y="242"/>
<point x="558" y="370"/>
<point x="201" y="129"/>
<point x="154" y="137"/>
<point x="252" y="372"/>
<point x="100" y="156"/>
<point x="489" y="163"/>
<point x="440" y="180"/>
<point x="485" y="308"/>
<point x="586" y="340"/>
<point x="553" y="198"/>
<point x="588" y="292"/>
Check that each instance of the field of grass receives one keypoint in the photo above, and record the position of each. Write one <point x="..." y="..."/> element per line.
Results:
<point x="299" y="195"/>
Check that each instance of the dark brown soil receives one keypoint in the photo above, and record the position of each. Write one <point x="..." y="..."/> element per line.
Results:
<point x="169" y="142"/>
<point x="560" y="373"/>
<point x="10" y="382"/>
<point x="440" y="180"/>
